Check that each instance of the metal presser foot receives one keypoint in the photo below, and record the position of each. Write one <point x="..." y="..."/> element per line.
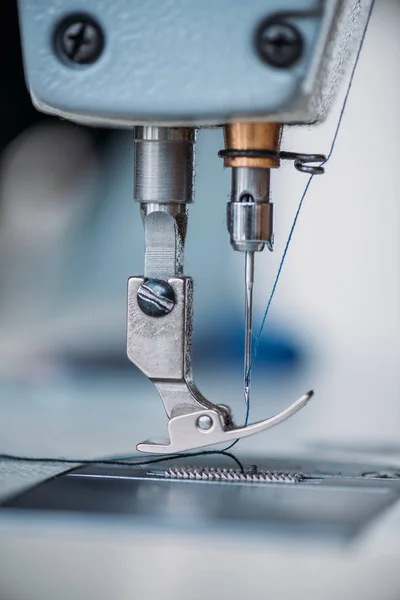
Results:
<point x="160" y="303"/>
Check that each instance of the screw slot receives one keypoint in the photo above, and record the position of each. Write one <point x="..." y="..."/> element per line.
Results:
<point x="156" y="298"/>
<point x="279" y="43"/>
<point x="78" y="40"/>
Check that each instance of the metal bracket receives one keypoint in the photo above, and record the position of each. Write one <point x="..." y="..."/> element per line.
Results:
<point x="161" y="348"/>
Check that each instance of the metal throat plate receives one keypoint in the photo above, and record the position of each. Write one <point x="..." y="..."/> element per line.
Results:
<point x="326" y="502"/>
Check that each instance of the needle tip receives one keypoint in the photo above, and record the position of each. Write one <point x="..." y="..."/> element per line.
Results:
<point x="249" y="280"/>
<point x="246" y="394"/>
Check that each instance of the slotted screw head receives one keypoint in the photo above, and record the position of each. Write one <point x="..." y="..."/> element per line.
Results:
<point x="156" y="298"/>
<point x="79" y="39"/>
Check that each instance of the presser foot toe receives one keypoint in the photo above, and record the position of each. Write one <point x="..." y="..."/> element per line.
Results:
<point x="207" y="428"/>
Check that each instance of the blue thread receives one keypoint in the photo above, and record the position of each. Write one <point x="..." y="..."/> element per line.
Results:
<point x="333" y="143"/>
<point x="258" y="338"/>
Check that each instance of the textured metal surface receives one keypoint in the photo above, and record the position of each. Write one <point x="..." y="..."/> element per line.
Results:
<point x="164" y="353"/>
<point x="165" y="228"/>
<point x="164" y="185"/>
<point x="174" y="62"/>
<point x="253" y="181"/>
<point x="159" y="352"/>
<point x="231" y="475"/>
<point x="344" y="35"/>
<point x="164" y="164"/>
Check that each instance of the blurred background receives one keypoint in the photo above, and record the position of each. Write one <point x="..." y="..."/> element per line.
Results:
<point x="71" y="235"/>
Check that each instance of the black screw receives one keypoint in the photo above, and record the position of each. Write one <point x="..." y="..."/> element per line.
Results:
<point x="279" y="43"/>
<point x="156" y="298"/>
<point x="79" y="40"/>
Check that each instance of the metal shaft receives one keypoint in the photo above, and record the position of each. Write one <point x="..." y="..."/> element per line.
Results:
<point x="249" y="282"/>
<point x="163" y="185"/>
<point x="249" y="212"/>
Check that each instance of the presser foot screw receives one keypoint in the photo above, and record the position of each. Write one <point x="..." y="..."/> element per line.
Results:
<point x="156" y="298"/>
<point x="278" y="43"/>
<point x="204" y="423"/>
<point x="79" y="40"/>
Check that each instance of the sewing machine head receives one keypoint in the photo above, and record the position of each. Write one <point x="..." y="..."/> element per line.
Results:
<point x="166" y="69"/>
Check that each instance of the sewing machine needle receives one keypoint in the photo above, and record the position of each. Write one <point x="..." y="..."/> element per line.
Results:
<point x="249" y="281"/>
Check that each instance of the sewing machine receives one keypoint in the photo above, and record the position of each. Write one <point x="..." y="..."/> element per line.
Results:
<point x="167" y="69"/>
<point x="111" y="65"/>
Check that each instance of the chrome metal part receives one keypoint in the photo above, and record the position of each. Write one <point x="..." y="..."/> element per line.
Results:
<point x="204" y="423"/>
<point x="164" y="164"/>
<point x="231" y="475"/>
<point x="165" y="228"/>
<point x="164" y="355"/>
<point x="163" y="185"/>
<point x="250" y="180"/>
<point x="249" y="212"/>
